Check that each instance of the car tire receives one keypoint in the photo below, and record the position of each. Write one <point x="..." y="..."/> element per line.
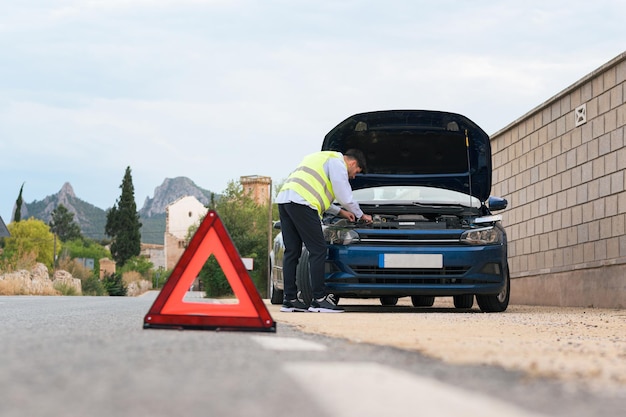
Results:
<point x="422" y="301"/>
<point x="496" y="303"/>
<point x="276" y="296"/>
<point x="463" y="301"/>
<point x="388" y="300"/>
<point x="303" y="277"/>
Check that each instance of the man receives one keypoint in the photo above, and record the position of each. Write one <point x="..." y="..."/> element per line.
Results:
<point x="308" y="192"/>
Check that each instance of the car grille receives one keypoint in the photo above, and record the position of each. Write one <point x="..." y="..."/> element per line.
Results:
<point x="408" y="273"/>
<point x="407" y="241"/>
<point x="384" y="239"/>
<point x="404" y="276"/>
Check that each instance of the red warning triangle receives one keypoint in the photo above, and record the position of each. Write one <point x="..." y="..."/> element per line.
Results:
<point x="171" y="311"/>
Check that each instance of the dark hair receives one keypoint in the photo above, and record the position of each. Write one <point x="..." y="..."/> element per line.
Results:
<point x="359" y="157"/>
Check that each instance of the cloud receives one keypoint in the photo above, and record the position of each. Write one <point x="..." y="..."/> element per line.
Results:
<point x="214" y="90"/>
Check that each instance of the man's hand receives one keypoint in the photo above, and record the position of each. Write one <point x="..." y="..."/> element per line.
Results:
<point x="347" y="215"/>
<point x="366" y="218"/>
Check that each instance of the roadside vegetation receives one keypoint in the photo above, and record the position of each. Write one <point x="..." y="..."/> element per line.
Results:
<point x="60" y="246"/>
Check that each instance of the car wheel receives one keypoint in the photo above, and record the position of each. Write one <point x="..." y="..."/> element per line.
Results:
<point x="463" y="301"/>
<point x="276" y="296"/>
<point x="496" y="303"/>
<point x="422" y="301"/>
<point x="303" y="277"/>
<point x="389" y="300"/>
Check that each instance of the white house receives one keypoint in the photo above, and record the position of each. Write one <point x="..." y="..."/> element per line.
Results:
<point x="180" y="215"/>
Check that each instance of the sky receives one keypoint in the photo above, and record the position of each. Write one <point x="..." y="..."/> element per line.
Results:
<point x="214" y="90"/>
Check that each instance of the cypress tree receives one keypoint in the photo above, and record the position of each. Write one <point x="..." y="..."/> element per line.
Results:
<point x="17" y="216"/>
<point x="123" y="224"/>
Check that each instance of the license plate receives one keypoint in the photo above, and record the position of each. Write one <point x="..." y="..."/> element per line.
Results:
<point x="401" y="260"/>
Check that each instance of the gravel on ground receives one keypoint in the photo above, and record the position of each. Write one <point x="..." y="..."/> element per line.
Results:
<point x="579" y="346"/>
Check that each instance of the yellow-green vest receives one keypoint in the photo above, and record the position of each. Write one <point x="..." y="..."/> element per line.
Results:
<point x="311" y="182"/>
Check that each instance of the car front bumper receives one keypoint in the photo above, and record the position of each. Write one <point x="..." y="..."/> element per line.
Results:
<point x="358" y="271"/>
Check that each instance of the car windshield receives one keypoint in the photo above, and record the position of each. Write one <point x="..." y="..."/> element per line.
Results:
<point x="402" y="194"/>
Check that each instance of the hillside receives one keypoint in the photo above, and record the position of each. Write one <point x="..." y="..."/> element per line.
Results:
<point x="92" y="219"/>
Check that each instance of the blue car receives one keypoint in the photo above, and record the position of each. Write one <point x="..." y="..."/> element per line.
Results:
<point x="434" y="234"/>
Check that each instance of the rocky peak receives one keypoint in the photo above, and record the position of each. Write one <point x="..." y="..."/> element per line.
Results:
<point x="66" y="197"/>
<point x="91" y="219"/>
<point x="171" y="190"/>
<point x="67" y="190"/>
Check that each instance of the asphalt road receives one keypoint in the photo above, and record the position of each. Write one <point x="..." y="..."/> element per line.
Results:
<point x="90" y="356"/>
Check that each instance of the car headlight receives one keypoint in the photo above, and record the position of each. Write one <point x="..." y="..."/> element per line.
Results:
<point x="482" y="236"/>
<point x="340" y="236"/>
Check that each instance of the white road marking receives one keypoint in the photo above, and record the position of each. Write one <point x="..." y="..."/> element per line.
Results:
<point x="362" y="389"/>
<point x="288" y="343"/>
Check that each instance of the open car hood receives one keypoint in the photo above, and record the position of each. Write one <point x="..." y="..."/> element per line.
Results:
<point x="418" y="147"/>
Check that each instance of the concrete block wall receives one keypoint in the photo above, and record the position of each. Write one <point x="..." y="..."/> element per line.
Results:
<point x="566" y="187"/>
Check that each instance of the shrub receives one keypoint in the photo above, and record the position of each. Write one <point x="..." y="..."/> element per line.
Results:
<point x="131" y="276"/>
<point x="30" y="235"/>
<point x="114" y="285"/>
<point x="214" y="281"/>
<point x="65" y="289"/>
<point x="17" y="260"/>
<point x="160" y="277"/>
<point x="75" y="268"/>
<point x="139" y="264"/>
<point x="93" y="286"/>
<point x="11" y="287"/>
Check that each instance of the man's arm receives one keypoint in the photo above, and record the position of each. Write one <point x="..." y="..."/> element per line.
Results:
<point x="338" y="175"/>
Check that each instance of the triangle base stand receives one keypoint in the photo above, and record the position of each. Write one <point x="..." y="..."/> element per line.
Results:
<point x="205" y="323"/>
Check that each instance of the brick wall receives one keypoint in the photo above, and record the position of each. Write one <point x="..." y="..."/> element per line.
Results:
<point x="566" y="189"/>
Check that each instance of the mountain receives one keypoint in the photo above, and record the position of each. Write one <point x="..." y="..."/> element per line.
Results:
<point x="152" y="214"/>
<point x="170" y="191"/>
<point x="92" y="219"/>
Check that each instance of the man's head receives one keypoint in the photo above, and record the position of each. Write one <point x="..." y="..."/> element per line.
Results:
<point x="355" y="159"/>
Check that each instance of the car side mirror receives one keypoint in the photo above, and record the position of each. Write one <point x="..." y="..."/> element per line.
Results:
<point x="497" y="203"/>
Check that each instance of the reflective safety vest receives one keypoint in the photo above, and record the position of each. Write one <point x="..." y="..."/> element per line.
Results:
<point x="311" y="182"/>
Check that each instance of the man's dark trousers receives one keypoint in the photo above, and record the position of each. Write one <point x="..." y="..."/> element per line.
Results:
<point x="301" y="224"/>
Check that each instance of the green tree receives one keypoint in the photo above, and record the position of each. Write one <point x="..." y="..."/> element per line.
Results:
<point x="63" y="224"/>
<point x="17" y="215"/>
<point x="123" y="225"/>
<point x="212" y="202"/>
<point x="29" y="237"/>
<point x="246" y="223"/>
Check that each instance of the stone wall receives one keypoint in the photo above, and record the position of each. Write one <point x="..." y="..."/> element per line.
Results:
<point x="562" y="168"/>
